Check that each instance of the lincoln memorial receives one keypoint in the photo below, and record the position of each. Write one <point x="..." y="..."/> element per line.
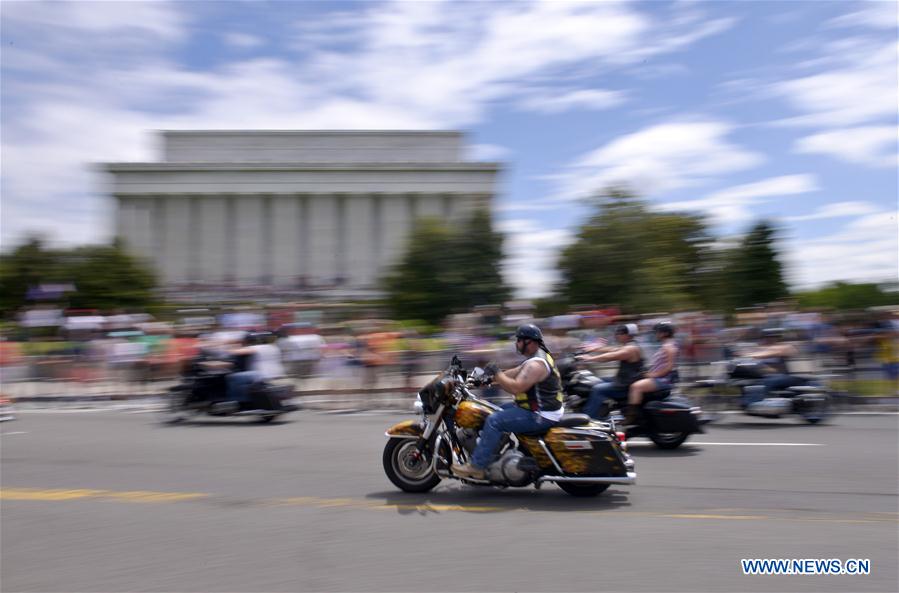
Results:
<point x="292" y="209"/>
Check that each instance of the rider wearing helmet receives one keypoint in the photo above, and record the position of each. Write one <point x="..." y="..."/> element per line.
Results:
<point x="662" y="371"/>
<point x="630" y="369"/>
<point x="538" y="399"/>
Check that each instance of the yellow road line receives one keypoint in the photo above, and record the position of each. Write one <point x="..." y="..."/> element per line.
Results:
<point x="703" y="516"/>
<point x="130" y="496"/>
<point x="148" y="496"/>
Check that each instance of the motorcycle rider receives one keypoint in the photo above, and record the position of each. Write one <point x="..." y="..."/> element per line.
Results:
<point x="257" y="360"/>
<point x="630" y="369"/>
<point x="662" y="373"/>
<point x="537" y="387"/>
<point x="773" y="356"/>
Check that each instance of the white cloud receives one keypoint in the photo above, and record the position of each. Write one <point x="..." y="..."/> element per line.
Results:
<point x="531" y="254"/>
<point x="837" y="210"/>
<point x="867" y="145"/>
<point x="487" y="152"/>
<point x="731" y="205"/>
<point x="555" y="102"/>
<point x="159" y="19"/>
<point x="865" y="250"/>
<point x="659" y="158"/>
<point x="242" y="40"/>
<point x="863" y="89"/>
<point x="526" y="207"/>
<point x="876" y="14"/>
<point x="98" y="77"/>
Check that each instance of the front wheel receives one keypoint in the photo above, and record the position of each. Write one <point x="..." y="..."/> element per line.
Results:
<point x="582" y="490"/>
<point x="668" y="440"/>
<point x="409" y="469"/>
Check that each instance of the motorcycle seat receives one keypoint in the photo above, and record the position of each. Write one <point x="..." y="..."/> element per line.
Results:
<point x="568" y="420"/>
<point x="656" y="395"/>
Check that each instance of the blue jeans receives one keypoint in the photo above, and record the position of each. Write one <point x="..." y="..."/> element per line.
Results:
<point x="239" y="385"/>
<point x="599" y="394"/>
<point x="511" y="418"/>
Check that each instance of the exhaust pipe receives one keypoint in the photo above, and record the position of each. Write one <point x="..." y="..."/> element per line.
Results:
<point x="630" y="479"/>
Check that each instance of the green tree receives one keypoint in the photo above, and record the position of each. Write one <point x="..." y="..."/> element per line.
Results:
<point x="632" y="256"/>
<point x="843" y="295"/>
<point x="755" y="274"/>
<point x="105" y="277"/>
<point x="447" y="269"/>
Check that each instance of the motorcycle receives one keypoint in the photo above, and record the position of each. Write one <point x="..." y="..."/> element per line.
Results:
<point x="667" y="418"/>
<point x="583" y="457"/>
<point x="203" y="391"/>
<point x="807" y="398"/>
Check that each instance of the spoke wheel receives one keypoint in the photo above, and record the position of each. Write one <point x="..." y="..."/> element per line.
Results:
<point x="408" y="469"/>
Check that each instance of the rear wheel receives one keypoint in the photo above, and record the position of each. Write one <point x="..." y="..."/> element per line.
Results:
<point x="409" y="469"/>
<point x="668" y="440"/>
<point x="817" y="410"/>
<point x="582" y="490"/>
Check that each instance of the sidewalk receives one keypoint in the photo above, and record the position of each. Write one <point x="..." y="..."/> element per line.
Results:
<point x="316" y="392"/>
<point x="325" y="393"/>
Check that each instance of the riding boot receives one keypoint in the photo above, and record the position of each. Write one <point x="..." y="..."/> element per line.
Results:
<point x="631" y="415"/>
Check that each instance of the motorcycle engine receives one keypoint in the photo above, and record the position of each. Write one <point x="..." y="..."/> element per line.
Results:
<point x="505" y="470"/>
<point x="468" y="438"/>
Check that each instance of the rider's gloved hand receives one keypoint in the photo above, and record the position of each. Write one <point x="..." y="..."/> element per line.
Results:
<point x="491" y="369"/>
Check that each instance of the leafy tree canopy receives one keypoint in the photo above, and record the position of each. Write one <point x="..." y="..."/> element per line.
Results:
<point x="447" y="269"/>
<point x="105" y="277"/>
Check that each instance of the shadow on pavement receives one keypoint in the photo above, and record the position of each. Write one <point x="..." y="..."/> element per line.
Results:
<point x="485" y="499"/>
<point x="214" y="422"/>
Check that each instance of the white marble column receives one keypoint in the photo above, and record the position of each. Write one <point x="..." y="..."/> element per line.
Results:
<point x="212" y="231"/>
<point x="176" y="239"/>
<point x="361" y="261"/>
<point x="248" y="266"/>
<point x="430" y="206"/>
<point x="395" y="225"/>
<point x="286" y="240"/>
<point x="322" y="212"/>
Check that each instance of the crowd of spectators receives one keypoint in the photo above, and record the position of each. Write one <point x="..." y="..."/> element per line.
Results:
<point x="381" y="353"/>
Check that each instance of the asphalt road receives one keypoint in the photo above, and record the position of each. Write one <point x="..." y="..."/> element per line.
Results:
<point x="116" y="501"/>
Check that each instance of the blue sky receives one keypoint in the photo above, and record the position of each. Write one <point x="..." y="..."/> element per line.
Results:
<point x="737" y="110"/>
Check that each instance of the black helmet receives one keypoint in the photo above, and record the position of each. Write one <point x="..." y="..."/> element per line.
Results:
<point x="529" y="331"/>
<point x="665" y="327"/>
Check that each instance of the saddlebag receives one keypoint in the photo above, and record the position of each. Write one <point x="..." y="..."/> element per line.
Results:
<point x="585" y="452"/>
<point x="672" y="415"/>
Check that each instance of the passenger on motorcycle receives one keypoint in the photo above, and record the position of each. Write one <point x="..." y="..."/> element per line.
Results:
<point x="630" y="369"/>
<point x="538" y="400"/>
<point x="257" y="360"/>
<point x="662" y="373"/>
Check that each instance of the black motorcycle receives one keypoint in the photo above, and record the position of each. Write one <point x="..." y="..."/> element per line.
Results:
<point x="806" y="397"/>
<point x="666" y="418"/>
<point x="203" y="390"/>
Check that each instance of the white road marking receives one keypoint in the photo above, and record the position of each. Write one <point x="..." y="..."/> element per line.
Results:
<point x="632" y="443"/>
<point x="15" y="432"/>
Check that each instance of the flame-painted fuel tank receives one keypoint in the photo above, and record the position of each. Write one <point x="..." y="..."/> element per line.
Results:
<point x="471" y="414"/>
